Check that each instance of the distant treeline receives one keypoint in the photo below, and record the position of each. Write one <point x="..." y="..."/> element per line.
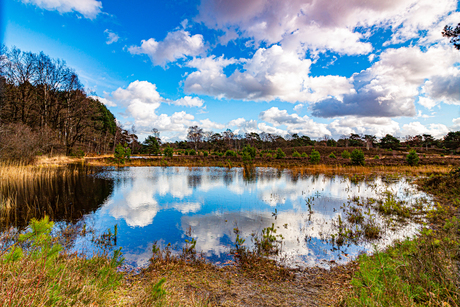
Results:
<point x="197" y="138"/>
<point x="44" y="109"/>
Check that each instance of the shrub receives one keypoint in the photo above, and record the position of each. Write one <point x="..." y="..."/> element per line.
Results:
<point x="357" y="157"/>
<point x="168" y="152"/>
<point x="412" y="158"/>
<point x="186" y="152"/>
<point x="268" y="155"/>
<point x="205" y="153"/>
<point x="376" y="157"/>
<point x="332" y="156"/>
<point x="230" y="153"/>
<point x="315" y="156"/>
<point x="280" y="154"/>
<point x="345" y="154"/>
<point x="122" y="153"/>
<point x="296" y="154"/>
<point x="192" y="152"/>
<point x="304" y="155"/>
<point x="251" y="151"/>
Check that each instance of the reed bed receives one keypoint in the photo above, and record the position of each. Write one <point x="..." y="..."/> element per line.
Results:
<point x="22" y="187"/>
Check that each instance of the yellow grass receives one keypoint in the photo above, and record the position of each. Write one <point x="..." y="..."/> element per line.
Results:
<point x="303" y="168"/>
<point x="57" y="160"/>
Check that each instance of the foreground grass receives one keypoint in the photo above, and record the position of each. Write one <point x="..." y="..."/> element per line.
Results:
<point x="423" y="271"/>
<point x="35" y="270"/>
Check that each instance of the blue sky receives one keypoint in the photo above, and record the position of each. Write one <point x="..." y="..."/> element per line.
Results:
<point x="310" y="67"/>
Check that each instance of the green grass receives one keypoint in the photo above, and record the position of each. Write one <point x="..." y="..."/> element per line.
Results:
<point x="416" y="272"/>
<point x="35" y="271"/>
<point x="421" y="271"/>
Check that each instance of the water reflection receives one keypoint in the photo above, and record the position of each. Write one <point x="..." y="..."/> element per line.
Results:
<point x="163" y="204"/>
<point x="67" y="196"/>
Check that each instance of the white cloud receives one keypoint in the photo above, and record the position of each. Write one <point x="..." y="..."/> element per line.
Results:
<point x="177" y="45"/>
<point x="104" y="101"/>
<point x="416" y="128"/>
<point x="363" y="125"/>
<point x="456" y="124"/>
<point x="207" y="124"/>
<point x="391" y="85"/>
<point x="138" y="92"/>
<point x="445" y="88"/>
<point x="88" y="8"/>
<point x="188" y="101"/>
<point x="270" y="74"/>
<point x="142" y="100"/>
<point x="427" y="102"/>
<point x="272" y="130"/>
<point x="243" y="125"/>
<point x="112" y="37"/>
<point x="324" y="25"/>
<point x="293" y="122"/>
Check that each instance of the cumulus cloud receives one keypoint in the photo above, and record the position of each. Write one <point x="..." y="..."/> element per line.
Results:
<point x="138" y="92"/>
<point x="293" y="122"/>
<point x="177" y="45"/>
<point x="390" y="86"/>
<point x="444" y="88"/>
<point x="112" y="37"/>
<point x="243" y="126"/>
<point x="188" y="101"/>
<point x="270" y="74"/>
<point x="142" y="100"/>
<point x="88" y="8"/>
<point x="427" y="102"/>
<point x="207" y="124"/>
<point x="104" y="101"/>
<point x="416" y="128"/>
<point x="456" y="124"/>
<point x="364" y="125"/>
<point x="324" y="25"/>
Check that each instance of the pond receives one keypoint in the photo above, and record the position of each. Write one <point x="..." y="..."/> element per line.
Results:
<point x="318" y="219"/>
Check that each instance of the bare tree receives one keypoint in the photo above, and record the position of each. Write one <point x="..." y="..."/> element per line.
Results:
<point x="195" y="135"/>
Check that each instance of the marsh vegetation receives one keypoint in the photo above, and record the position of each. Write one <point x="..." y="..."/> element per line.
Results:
<point x="227" y="236"/>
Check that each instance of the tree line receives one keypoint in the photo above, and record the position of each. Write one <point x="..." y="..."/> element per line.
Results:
<point x="44" y="109"/>
<point x="199" y="139"/>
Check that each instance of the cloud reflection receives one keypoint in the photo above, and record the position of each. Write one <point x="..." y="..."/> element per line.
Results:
<point x="213" y="201"/>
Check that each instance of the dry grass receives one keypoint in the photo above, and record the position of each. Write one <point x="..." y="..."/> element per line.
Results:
<point x="19" y="180"/>
<point x="294" y="165"/>
<point x="57" y="160"/>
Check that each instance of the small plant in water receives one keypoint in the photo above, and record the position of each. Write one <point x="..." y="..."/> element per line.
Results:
<point x="268" y="244"/>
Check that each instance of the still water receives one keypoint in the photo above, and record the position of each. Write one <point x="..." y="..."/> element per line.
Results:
<point x="172" y="204"/>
